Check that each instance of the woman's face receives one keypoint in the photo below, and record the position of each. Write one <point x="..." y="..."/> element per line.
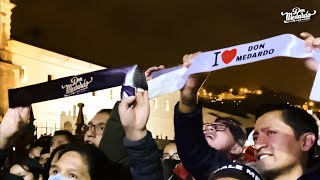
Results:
<point x="70" y="165"/>
<point x="19" y="171"/>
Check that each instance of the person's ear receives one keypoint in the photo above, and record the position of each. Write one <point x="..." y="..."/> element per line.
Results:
<point x="308" y="140"/>
<point x="236" y="149"/>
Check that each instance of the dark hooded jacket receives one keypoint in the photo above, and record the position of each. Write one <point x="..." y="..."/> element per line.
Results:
<point x="195" y="153"/>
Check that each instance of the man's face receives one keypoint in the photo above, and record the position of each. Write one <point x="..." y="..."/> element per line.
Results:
<point x="57" y="141"/>
<point x="277" y="149"/>
<point x="171" y="152"/>
<point x="218" y="136"/>
<point x="96" y="128"/>
<point x="71" y="165"/>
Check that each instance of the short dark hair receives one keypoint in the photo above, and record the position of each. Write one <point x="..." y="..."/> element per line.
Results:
<point x="298" y="119"/>
<point x="45" y="150"/>
<point x="70" y="137"/>
<point x="47" y="165"/>
<point x="235" y="128"/>
<point x="105" y="111"/>
<point x="95" y="159"/>
<point x="34" y="144"/>
<point x="8" y="176"/>
<point x="31" y="165"/>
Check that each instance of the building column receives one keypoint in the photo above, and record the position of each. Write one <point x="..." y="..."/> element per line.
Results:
<point x="9" y="73"/>
<point x="5" y="30"/>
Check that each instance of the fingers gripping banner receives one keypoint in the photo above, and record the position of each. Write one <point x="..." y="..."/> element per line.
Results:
<point x="166" y="80"/>
<point x="286" y="45"/>
<point x="129" y="77"/>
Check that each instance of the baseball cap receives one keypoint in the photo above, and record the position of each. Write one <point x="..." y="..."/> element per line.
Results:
<point x="237" y="171"/>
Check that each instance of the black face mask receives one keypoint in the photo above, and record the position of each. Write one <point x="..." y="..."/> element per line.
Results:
<point x="37" y="158"/>
<point x="168" y="165"/>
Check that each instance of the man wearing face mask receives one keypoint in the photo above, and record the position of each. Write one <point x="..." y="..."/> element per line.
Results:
<point x="172" y="166"/>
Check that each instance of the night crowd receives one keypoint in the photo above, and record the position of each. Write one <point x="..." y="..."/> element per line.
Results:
<point x="117" y="145"/>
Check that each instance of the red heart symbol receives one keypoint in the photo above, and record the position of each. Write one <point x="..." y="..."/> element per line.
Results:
<point x="228" y="56"/>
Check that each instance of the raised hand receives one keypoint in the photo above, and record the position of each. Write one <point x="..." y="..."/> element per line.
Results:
<point x="12" y="123"/>
<point x="318" y="123"/>
<point x="188" y="97"/>
<point x="311" y="43"/>
<point x="148" y="72"/>
<point x="134" y="113"/>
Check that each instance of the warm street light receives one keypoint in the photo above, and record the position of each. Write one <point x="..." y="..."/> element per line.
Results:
<point x="259" y="92"/>
<point x="311" y="103"/>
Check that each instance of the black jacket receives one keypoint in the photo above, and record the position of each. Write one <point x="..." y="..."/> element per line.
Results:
<point x="112" y="146"/>
<point x="195" y="153"/>
<point x="144" y="159"/>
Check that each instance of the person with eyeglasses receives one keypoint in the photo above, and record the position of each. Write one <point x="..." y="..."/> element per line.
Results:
<point x="94" y="129"/>
<point x="170" y="152"/>
<point x="284" y="136"/>
<point x="106" y="132"/>
<point x="203" y="147"/>
<point x="225" y="134"/>
<point x="97" y="129"/>
<point x="170" y="159"/>
<point x="172" y="167"/>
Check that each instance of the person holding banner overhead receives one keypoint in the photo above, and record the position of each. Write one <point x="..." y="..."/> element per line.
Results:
<point x="311" y="43"/>
<point x="111" y="142"/>
<point x="143" y="153"/>
<point x="203" y="148"/>
<point x="285" y="136"/>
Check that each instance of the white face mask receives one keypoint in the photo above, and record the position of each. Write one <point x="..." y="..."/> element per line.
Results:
<point x="58" y="177"/>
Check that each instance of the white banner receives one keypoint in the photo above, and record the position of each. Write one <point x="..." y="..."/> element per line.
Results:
<point x="286" y="45"/>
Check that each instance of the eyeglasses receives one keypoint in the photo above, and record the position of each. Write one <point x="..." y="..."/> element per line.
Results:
<point x="216" y="127"/>
<point x="97" y="129"/>
<point x="174" y="156"/>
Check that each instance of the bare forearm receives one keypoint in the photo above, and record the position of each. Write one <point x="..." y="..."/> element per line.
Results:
<point x="5" y="142"/>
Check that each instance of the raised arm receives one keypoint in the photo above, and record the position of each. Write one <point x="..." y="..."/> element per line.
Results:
<point x="311" y="43"/>
<point x="12" y="123"/>
<point x="195" y="153"/>
<point x="144" y="159"/>
<point x="188" y="97"/>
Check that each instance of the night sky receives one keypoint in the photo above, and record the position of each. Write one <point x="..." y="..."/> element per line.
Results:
<point x="125" y="32"/>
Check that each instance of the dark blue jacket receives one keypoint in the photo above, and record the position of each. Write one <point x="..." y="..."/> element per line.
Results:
<point x="144" y="159"/>
<point x="196" y="155"/>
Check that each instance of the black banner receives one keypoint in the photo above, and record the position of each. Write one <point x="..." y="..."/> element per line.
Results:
<point x="78" y="84"/>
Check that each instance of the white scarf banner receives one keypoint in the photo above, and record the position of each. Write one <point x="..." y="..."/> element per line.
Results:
<point x="286" y="45"/>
